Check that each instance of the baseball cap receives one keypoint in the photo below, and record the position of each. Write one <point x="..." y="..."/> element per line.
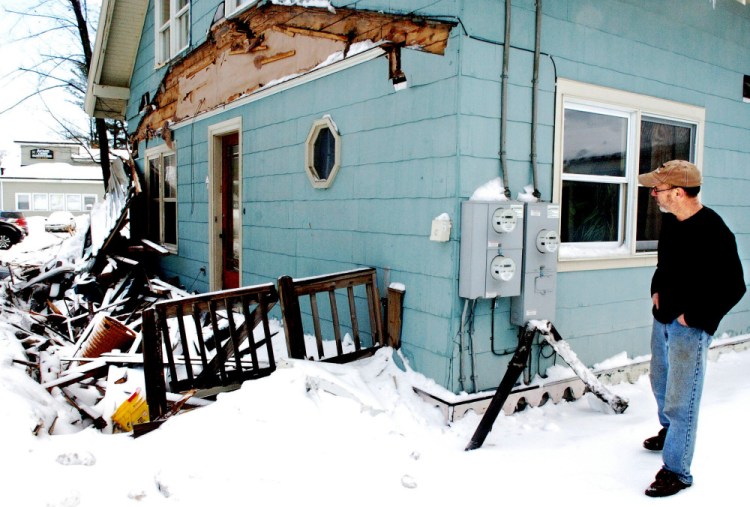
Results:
<point x="677" y="173"/>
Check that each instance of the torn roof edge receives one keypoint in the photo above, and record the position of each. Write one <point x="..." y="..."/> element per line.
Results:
<point x="282" y="84"/>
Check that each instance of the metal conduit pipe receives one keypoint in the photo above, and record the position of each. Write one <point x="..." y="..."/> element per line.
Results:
<point x="461" y="376"/>
<point x="504" y="99"/>
<point x="534" y="95"/>
<point x="474" y="375"/>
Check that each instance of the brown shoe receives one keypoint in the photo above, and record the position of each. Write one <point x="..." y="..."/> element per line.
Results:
<point x="656" y="443"/>
<point x="666" y="484"/>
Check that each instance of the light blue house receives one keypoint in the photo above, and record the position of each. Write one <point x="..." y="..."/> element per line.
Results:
<point x="340" y="133"/>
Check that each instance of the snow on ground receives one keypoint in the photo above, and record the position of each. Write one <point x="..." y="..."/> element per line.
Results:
<point x="335" y="435"/>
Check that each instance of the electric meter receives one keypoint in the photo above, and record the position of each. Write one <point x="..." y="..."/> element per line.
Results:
<point x="504" y="220"/>
<point x="538" y="297"/>
<point x="547" y="241"/>
<point x="502" y="268"/>
<point x="491" y="249"/>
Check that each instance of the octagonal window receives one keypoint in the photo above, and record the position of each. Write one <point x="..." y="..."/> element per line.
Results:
<point x="322" y="153"/>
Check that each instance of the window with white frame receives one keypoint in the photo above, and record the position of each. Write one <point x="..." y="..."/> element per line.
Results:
<point x="234" y="5"/>
<point x="162" y="197"/>
<point x="40" y="202"/>
<point x="88" y="201"/>
<point x="605" y="139"/>
<point x="56" y="202"/>
<point x="23" y="202"/>
<point x="73" y="202"/>
<point x="172" y="23"/>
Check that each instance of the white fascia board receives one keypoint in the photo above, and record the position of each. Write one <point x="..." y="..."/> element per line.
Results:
<point x="111" y="92"/>
<point x="95" y="71"/>
<point x="364" y="56"/>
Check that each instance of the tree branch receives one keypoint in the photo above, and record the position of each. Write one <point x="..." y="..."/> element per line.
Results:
<point x="37" y="92"/>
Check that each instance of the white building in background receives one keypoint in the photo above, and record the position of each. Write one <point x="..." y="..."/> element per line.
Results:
<point x="53" y="176"/>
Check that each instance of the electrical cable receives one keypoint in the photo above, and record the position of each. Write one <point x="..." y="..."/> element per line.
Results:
<point x="504" y="352"/>
<point x="498" y="43"/>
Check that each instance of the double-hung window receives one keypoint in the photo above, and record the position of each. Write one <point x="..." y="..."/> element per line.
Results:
<point x="235" y="5"/>
<point x="172" y="23"/>
<point x="161" y="167"/>
<point x="605" y="138"/>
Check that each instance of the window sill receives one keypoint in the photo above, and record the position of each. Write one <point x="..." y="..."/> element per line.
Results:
<point x="614" y="262"/>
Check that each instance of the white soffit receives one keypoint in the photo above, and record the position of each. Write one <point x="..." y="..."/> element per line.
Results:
<point x="115" y="50"/>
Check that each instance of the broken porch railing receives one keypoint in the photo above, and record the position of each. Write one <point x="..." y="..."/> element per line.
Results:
<point x="200" y="335"/>
<point x="348" y="290"/>
<point x="208" y="340"/>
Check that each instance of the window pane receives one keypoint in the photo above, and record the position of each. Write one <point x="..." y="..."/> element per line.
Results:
<point x="170" y="223"/>
<point x="88" y="202"/>
<point x="163" y="11"/>
<point x="153" y="178"/>
<point x="56" y="202"/>
<point x="660" y="141"/>
<point x="324" y="153"/>
<point x="594" y="144"/>
<point x="590" y="212"/>
<point x="154" y="232"/>
<point x="23" y="202"/>
<point x="182" y="31"/>
<point x="170" y="176"/>
<point x="73" y="202"/>
<point x="41" y="202"/>
<point x="165" y="51"/>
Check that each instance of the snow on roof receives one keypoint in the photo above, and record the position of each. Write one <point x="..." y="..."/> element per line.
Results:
<point x="54" y="171"/>
<point x="323" y="4"/>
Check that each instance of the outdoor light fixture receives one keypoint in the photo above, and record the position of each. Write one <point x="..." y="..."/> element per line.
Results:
<point x="395" y="74"/>
<point x="400" y="82"/>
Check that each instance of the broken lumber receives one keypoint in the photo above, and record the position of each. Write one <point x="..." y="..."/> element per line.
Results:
<point x="549" y="333"/>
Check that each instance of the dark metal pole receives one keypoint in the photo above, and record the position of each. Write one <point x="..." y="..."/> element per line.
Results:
<point x="515" y="369"/>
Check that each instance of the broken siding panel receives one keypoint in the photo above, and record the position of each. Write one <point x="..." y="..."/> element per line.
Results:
<point x="245" y="53"/>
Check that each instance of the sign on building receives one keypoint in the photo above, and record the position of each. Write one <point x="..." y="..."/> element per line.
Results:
<point x="44" y="153"/>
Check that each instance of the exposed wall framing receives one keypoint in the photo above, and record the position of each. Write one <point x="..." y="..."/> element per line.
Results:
<point x="242" y="54"/>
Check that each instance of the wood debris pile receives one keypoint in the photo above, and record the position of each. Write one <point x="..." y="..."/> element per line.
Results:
<point x="78" y="318"/>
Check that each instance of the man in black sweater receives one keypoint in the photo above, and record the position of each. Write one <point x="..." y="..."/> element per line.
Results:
<point x="698" y="279"/>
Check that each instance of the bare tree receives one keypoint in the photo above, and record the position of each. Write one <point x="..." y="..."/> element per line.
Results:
<point x="66" y="66"/>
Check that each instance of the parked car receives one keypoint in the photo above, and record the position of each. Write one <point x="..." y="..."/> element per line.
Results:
<point x="60" y="221"/>
<point x="10" y="234"/>
<point x="15" y="217"/>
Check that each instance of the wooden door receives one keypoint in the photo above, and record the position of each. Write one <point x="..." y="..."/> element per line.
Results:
<point x="231" y="219"/>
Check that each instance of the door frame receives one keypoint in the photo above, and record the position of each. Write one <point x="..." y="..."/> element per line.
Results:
<point x="213" y="183"/>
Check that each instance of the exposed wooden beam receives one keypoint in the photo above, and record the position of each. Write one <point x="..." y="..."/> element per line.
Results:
<point x="111" y="92"/>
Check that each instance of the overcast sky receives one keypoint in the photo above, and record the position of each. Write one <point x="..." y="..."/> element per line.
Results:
<point x="31" y="120"/>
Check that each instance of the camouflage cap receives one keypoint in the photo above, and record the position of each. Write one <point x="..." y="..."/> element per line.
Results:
<point x="676" y="173"/>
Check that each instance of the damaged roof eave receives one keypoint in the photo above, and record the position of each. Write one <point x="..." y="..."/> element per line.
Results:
<point x="289" y="82"/>
<point x="113" y="60"/>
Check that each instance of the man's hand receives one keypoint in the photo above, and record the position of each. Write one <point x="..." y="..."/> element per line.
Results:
<point x="655" y="299"/>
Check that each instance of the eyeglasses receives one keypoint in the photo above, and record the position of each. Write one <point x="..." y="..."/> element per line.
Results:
<point x="654" y="190"/>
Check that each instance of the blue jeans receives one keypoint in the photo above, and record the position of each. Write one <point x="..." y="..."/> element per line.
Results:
<point x="678" y="366"/>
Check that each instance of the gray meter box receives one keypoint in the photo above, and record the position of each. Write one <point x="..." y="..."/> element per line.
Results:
<point x="537" y="300"/>
<point x="491" y="249"/>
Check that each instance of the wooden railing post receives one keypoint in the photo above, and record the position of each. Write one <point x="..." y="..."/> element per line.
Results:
<point x="395" y="308"/>
<point x="153" y="366"/>
<point x="292" y="317"/>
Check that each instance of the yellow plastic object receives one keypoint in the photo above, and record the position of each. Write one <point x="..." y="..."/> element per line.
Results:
<point x="132" y="411"/>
